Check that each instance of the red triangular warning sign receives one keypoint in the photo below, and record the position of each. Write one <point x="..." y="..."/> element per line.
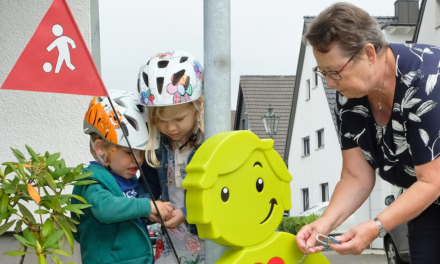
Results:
<point x="56" y="59"/>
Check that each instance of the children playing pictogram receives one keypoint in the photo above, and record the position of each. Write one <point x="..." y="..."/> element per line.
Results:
<point x="62" y="44"/>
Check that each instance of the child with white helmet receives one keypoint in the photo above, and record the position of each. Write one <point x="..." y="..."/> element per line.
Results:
<point x="112" y="231"/>
<point x="171" y="86"/>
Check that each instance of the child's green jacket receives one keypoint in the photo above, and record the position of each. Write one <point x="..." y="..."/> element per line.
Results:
<point x="110" y="231"/>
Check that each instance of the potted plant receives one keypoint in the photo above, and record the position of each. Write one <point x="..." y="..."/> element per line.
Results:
<point x="40" y="180"/>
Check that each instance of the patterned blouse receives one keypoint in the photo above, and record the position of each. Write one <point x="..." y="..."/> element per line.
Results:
<point x="410" y="137"/>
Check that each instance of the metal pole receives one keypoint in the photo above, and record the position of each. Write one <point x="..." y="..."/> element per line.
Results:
<point x="217" y="77"/>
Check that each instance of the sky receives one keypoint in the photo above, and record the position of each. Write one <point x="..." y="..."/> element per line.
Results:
<point x="265" y="35"/>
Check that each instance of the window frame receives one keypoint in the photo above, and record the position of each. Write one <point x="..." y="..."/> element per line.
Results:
<point x="305" y="151"/>
<point x="325" y="192"/>
<point x="320" y="138"/>
<point x="308" y="88"/>
<point x="305" y="199"/>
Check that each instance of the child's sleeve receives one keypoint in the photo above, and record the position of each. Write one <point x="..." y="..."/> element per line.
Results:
<point x="109" y="209"/>
<point x="152" y="178"/>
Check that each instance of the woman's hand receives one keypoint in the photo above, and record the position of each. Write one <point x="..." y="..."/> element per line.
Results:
<point x="177" y="217"/>
<point x="357" y="239"/>
<point x="306" y="237"/>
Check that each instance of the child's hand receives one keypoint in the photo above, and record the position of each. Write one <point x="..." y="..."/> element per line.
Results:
<point x="165" y="209"/>
<point x="175" y="219"/>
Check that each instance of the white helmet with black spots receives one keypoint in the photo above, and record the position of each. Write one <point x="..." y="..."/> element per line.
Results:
<point x="170" y="78"/>
<point x="101" y="119"/>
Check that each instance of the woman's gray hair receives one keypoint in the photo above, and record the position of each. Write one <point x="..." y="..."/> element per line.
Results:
<point x="346" y="24"/>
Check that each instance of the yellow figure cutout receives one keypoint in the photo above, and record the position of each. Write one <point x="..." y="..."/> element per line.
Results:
<point x="237" y="191"/>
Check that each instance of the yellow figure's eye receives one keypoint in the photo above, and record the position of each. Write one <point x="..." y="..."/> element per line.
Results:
<point x="260" y="185"/>
<point x="225" y="194"/>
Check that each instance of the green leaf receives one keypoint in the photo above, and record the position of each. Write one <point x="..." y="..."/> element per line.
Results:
<point x="73" y="221"/>
<point x="29" y="237"/>
<point x="52" y="158"/>
<point x="56" y="202"/>
<point x="53" y="238"/>
<point x="70" y="225"/>
<point x="6" y="186"/>
<point x="47" y="228"/>
<point x="8" y="170"/>
<point x="2" y="174"/>
<point x="64" y="200"/>
<point x="6" y="227"/>
<point x="16" y="253"/>
<point x="32" y="153"/>
<point x="61" y="252"/>
<point x="26" y="213"/>
<point x="70" y="177"/>
<point x="41" y="211"/>
<point x="67" y="232"/>
<point x="41" y="259"/>
<point x="84" y="182"/>
<point x="21" y="170"/>
<point x="24" y="241"/>
<point x="77" y="197"/>
<point x="50" y="180"/>
<point x="19" y="153"/>
<point x="50" y="205"/>
<point x="5" y="216"/>
<point x="18" y="226"/>
<point x="78" y="169"/>
<point x="76" y="208"/>
<point x="83" y="175"/>
<point x="57" y="173"/>
<point x="56" y="246"/>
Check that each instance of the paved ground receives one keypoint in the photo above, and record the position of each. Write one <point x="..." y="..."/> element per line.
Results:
<point x="367" y="257"/>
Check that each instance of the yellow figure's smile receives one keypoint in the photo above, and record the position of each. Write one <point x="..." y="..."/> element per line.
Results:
<point x="272" y="202"/>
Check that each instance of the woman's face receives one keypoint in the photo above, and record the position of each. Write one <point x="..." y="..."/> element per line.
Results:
<point x="357" y="78"/>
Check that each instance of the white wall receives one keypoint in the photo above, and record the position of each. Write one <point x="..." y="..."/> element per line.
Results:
<point x="430" y="28"/>
<point x="46" y="122"/>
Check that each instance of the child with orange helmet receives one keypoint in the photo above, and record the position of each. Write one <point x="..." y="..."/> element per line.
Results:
<point x="112" y="231"/>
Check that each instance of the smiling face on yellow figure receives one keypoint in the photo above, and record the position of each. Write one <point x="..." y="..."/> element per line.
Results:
<point x="248" y="202"/>
<point x="238" y="188"/>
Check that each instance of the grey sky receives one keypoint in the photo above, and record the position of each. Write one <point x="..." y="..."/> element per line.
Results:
<point x="265" y="35"/>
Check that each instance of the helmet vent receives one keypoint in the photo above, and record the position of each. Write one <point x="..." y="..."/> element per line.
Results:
<point x="148" y="63"/>
<point x="183" y="59"/>
<point x="139" y="87"/>
<point x="177" y="76"/>
<point x="132" y="122"/>
<point x="162" y="64"/>
<point x="145" y="77"/>
<point x="119" y="102"/>
<point x="159" y="83"/>
<point x="141" y="108"/>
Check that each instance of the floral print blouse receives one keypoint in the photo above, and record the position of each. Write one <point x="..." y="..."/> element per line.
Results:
<point x="411" y="136"/>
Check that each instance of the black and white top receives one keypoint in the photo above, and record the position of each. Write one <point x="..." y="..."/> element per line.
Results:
<point x="412" y="135"/>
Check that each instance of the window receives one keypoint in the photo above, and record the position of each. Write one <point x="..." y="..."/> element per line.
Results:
<point x="437" y="22"/>
<point x="305" y="193"/>
<point x="306" y="146"/>
<point x="308" y="89"/>
<point x="324" y="191"/>
<point x="315" y="79"/>
<point x="243" y="124"/>
<point x="320" y="138"/>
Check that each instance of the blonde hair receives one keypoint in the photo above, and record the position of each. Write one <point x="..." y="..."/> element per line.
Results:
<point x="154" y="118"/>
<point x="105" y="143"/>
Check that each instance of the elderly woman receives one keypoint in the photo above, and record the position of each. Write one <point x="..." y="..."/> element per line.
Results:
<point x="389" y="125"/>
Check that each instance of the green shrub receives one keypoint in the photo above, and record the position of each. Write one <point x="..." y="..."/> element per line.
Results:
<point x="292" y="225"/>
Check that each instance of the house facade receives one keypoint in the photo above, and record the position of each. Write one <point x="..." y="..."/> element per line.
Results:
<point x="313" y="152"/>
<point x="428" y="24"/>
<point x="255" y="94"/>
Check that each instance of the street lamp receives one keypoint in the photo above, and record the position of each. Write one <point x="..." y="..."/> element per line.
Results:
<point x="270" y="121"/>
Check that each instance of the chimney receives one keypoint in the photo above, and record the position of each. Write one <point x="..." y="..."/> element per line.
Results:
<point x="406" y="11"/>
